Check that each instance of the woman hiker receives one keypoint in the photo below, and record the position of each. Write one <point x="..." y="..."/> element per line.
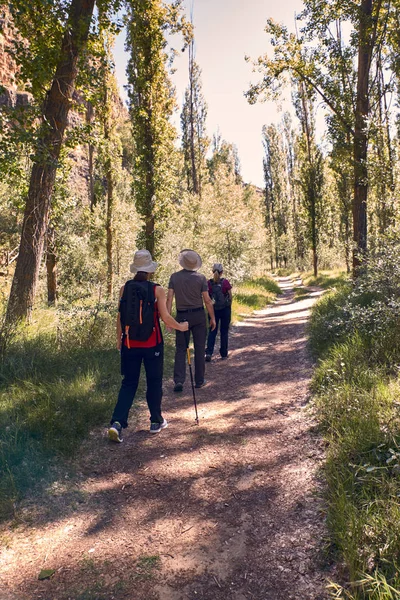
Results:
<point x="139" y="339"/>
<point x="220" y="291"/>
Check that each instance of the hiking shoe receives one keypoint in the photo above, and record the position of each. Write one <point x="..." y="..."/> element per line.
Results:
<point x="208" y="357"/>
<point x="224" y="357"/>
<point x="202" y="384"/>
<point x="178" y="387"/>
<point x="115" y="432"/>
<point x="156" y="427"/>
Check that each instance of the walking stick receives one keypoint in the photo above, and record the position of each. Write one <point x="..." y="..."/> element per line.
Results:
<point x="187" y="337"/>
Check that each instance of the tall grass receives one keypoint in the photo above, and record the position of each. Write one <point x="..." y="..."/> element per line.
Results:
<point x="355" y="332"/>
<point x="335" y="278"/>
<point x="52" y="391"/>
<point x="251" y="295"/>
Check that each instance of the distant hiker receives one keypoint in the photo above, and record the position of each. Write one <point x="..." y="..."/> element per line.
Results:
<point x="220" y="291"/>
<point x="190" y="290"/>
<point x="139" y="339"/>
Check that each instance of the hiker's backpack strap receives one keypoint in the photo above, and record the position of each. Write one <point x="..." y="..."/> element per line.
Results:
<point x="122" y="306"/>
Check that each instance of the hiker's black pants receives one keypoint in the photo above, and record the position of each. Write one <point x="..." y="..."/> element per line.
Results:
<point x="223" y="319"/>
<point x="131" y="362"/>
<point x="198" y="328"/>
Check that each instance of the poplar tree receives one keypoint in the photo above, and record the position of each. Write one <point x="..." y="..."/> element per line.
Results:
<point x="193" y="123"/>
<point x="311" y="169"/>
<point x="152" y="102"/>
<point x="310" y="60"/>
<point x="277" y="198"/>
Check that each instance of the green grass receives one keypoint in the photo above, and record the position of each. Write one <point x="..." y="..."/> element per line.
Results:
<point x="253" y="295"/>
<point x="326" y="279"/>
<point x="300" y="293"/>
<point x="356" y="400"/>
<point x="49" y="399"/>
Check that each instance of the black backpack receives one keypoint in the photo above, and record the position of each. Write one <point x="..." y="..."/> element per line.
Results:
<point x="137" y="310"/>
<point x="219" y="299"/>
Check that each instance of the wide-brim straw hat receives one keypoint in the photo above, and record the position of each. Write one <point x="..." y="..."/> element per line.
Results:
<point x="142" y="261"/>
<point x="189" y="260"/>
<point x="217" y="267"/>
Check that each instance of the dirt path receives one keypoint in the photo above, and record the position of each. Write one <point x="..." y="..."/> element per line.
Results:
<point x="228" y="510"/>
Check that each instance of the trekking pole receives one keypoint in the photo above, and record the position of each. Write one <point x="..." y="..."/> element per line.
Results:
<point x="187" y="337"/>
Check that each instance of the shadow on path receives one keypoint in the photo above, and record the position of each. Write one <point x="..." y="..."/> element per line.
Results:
<point x="226" y="510"/>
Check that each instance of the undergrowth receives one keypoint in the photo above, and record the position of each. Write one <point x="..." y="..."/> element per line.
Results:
<point x="355" y="333"/>
<point x="59" y="379"/>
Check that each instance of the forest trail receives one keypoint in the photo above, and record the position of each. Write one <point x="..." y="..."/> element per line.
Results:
<point x="229" y="510"/>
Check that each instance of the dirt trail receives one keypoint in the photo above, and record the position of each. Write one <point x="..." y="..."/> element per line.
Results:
<point x="228" y="510"/>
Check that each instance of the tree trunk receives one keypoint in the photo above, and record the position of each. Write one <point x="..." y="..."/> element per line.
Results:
<point x="108" y="135"/>
<point x="315" y="262"/>
<point x="367" y="37"/>
<point x="55" y="119"/>
<point x="109" y="228"/>
<point x="89" y="120"/>
<point x="194" y="182"/>
<point x="51" y="268"/>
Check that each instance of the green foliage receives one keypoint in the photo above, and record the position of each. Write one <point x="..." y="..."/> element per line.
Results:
<point x="253" y="294"/>
<point x="152" y="103"/>
<point x="193" y="123"/>
<point x="355" y="332"/>
<point x="234" y="235"/>
<point x="328" y="279"/>
<point x="58" y="378"/>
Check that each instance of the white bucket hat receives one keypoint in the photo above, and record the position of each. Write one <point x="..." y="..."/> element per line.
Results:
<point x="189" y="260"/>
<point x="217" y="267"/>
<point x="142" y="261"/>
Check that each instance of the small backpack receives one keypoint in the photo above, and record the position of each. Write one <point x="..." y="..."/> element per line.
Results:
<point x="220" y="300"/>
<point x="137" y="310"/>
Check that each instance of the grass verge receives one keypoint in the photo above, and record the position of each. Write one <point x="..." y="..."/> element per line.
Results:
<point x="252" y="295"/>
<point x="326" y="279"/>
<point x="356" y="390"/>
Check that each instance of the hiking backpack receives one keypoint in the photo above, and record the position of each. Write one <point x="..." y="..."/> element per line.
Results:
<point x="220" y="300"/>
<point x="137" y="310"/>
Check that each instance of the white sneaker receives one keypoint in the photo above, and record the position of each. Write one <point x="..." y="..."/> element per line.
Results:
<point x="156" y="427"/>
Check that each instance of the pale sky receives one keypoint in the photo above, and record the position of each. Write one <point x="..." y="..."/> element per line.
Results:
<point x="225" y="32"/>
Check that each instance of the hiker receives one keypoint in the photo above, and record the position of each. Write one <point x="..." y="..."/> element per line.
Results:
<point x="190" y="290"/>
<point x="220" y="291"/>
<point x="139" y="339"/>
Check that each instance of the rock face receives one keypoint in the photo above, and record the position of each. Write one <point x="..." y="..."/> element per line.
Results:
<point x="81" y="167"/>
<point x="8" y="67"/>
<point x="9" y="96"/>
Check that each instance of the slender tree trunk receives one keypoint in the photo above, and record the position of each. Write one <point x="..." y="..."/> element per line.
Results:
<point x="44" y="169"/>
<point x="390" y="167"/>
<point x="311" y="192"/>
<point x="347" y="248"/>
<point x="110" y="228"/>
<point x="108" y="127"/>
<point x="51" y="268"/>
<point x="89" y="119"/>
<point x="315" y="254"/>
<point x="194" y="182"/>
<point x="367" y="37"/>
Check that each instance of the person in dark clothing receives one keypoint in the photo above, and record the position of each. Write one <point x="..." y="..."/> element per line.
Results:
<point x="190" y="290"/>
<point x="220" y="291"/>
<point x="150" y="352"/>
